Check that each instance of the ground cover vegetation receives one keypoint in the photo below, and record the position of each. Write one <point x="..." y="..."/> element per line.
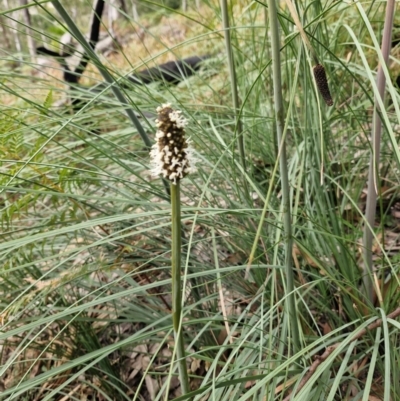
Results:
<point x="267" y="273"/>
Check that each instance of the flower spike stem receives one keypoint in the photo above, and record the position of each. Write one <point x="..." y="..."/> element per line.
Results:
<point x="290" y="305"/>
<point x="176" y="286"/>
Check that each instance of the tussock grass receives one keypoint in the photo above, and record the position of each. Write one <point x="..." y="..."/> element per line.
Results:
<point x="85" y="277"/>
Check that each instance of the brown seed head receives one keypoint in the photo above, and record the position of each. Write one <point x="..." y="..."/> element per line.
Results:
<point x="322" y="83"/>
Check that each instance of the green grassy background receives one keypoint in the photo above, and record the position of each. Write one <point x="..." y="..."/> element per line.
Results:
<point x="85" y="252"/>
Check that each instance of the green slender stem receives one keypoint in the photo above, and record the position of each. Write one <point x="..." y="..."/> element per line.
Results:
<point x="373" y="183"/>
<point x="103" y="71"/>
<point x="232" y="74"/>
<point x="176" y="286"/>
<point x="287" y="220"/>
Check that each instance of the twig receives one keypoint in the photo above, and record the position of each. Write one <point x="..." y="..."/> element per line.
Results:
<point x="329" y="350"/>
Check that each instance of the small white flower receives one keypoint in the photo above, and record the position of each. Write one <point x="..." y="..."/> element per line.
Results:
<point x="160" y="134"/>
<point x="176" y="117"/>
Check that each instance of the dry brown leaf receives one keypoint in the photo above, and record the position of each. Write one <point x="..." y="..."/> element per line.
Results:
<point x="152" y="386"/>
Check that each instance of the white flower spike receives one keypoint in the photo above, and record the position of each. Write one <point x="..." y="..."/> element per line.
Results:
<point x="171" y="155"/>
